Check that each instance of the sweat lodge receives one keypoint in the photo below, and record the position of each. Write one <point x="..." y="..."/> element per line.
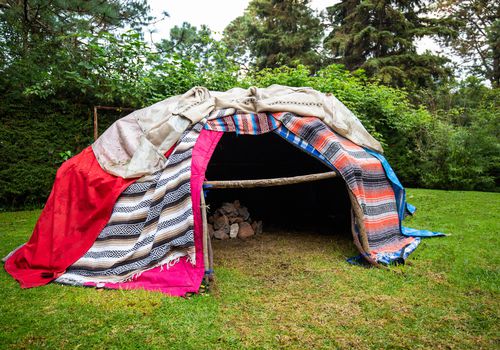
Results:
<point x="129" y="211"/>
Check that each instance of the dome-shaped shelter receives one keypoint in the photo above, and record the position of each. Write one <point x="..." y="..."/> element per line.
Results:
<point x="129" y="211"/>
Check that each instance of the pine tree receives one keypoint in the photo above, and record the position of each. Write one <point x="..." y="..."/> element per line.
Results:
<point x="198" y="46"/>
<point x="477" y="41"/>
<point x="380" y="36"/>
<point x="33" y="31"/>
<point x="40" y="39"/>
<point x="29" y="21"/>
<point x="272" y="33"/>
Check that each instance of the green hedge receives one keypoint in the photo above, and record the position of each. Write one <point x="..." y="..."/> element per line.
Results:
<point x="31" y="140"/>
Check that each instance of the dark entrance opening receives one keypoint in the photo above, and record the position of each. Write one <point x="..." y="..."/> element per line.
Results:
<point x="319" y="206"/>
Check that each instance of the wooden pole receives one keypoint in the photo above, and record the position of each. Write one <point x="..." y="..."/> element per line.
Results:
<point x="205" y="231"/>
<point x="96" y="130"/>
<point x="269" y="182"/>
<point x="210" y="259"/>
<point x="112" y="108"/>
<point x="107" y="108"/>
<point x="358" y="245"/>
<point x="360" y="216"/>
<point x="358" y="221"/>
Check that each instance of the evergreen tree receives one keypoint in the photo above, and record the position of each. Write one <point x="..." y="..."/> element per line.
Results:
<point x="40" y="40"/>
<point x="380" y="36"/>
<point x="272" y="33"/>
<point x="478" y="35"/>
<point x="24" y="23"/>
<point x="188" y="41"/>
<point x="197" y="46"/>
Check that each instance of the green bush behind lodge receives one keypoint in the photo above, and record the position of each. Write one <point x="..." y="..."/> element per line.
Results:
<point x="426" y="150"/>
<point x="31" y="137"/>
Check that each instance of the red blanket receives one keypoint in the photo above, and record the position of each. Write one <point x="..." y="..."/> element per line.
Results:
<point x="78" y="208"/>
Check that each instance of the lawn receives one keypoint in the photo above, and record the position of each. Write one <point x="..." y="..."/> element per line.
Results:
<point x="288" y="290"/>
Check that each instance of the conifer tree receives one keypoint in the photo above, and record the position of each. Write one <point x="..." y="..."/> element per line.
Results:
<point x="40" y="39"/>
<point x="380" y="36"/>
<point x="272" y="33"/>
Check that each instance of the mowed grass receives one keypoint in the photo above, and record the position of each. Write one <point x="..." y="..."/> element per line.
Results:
<point x="287" y="290"/>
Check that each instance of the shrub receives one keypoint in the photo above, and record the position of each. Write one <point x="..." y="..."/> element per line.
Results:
<point x="456" y="148"/>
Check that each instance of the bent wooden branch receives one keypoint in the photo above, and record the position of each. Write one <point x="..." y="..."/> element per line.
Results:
<point x="281" y="181"/>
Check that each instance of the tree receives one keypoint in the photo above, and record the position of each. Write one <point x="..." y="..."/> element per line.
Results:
<point x="25" y="22"/>
<point x="188" y="41"/>
<point x="477" y="40"/>
<point x="272" y="33"/>
<point x="40" y="40"/>
<point x="379" y="36"/>
<point x="197" y="46"/>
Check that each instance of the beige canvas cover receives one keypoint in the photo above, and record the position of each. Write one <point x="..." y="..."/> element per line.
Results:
<point x="135" y="145"/>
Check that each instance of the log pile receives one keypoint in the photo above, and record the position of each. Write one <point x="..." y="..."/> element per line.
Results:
<point x="232" y="220"/>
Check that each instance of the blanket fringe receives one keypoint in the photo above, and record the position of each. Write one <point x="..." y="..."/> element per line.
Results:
<point x="166" y="263"/>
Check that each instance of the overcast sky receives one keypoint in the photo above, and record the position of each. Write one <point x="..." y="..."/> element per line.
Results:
<point x="217" y="14"/>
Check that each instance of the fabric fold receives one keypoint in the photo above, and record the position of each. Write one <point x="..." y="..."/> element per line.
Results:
<point x="404" y="208"/>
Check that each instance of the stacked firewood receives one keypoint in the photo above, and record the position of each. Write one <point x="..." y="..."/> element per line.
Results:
<point x="232" y="220"/>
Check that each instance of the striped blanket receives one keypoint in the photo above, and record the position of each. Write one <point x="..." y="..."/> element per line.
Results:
<point x="363" y="172"/>
<point x="364" y="175"/>
<point x="250" y="124"/>
<point x="151" y="224"/>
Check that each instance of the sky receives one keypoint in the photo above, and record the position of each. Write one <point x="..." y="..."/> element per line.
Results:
<point x="217" y="14"/>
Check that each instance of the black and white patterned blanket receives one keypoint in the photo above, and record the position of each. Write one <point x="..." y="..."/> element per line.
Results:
<point x="151" y="225"/>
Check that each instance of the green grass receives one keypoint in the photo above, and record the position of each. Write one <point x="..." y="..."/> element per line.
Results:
<point x="287" y="290"/>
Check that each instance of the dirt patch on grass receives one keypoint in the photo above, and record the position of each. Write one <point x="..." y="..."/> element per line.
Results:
<point x="281" y="248"/>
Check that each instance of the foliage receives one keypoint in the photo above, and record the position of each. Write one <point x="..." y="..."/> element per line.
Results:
<point x="465" y="141"/>
<point x="53" y="111"/>
<point x="197" y="46"/>
<point x="477" y="38"/>
<point x="379" y="36"/>
<point x="123" y="70"/>
<point x="457" y="149"/>
<point x="31" y="26"/>
<point x="45" y="48"/>
<point x="31" y="141"/>
<point x="36" y="34"/>
<point x="109" y="68"/>
<point x="68" y="65"/>
<point x="275" y="33"/>
<point x="213" y="63"/>
<point x="65" y="155"/>
<point x="299" y="293"/>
